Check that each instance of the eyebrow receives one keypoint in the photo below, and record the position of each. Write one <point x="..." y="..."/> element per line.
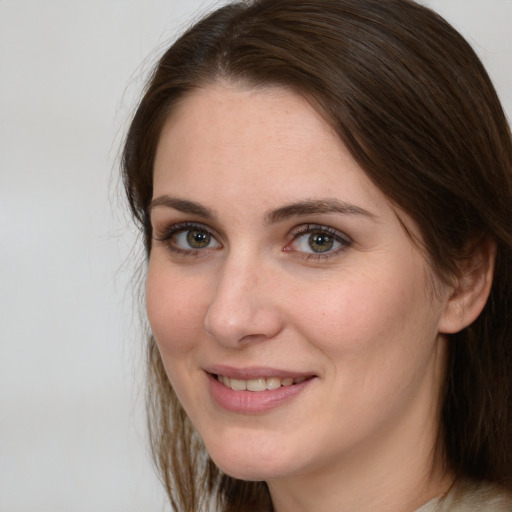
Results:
<point x="182" y="205"/>
<point x="315" y="206"/>
<point x="298" y="209"/>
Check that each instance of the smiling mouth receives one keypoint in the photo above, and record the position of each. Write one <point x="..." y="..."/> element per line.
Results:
<point x="261" y="384"/>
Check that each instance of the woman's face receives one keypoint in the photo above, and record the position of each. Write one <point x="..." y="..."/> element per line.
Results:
<point x="279" y="267"/>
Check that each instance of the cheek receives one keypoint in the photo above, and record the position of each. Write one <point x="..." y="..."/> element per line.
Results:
<point x="379" y="336"/>
<point x="370" y="313"/>
<point x="174" y="308"/>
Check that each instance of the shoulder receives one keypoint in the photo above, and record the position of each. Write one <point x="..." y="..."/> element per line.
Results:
<point x="472" y="497"/>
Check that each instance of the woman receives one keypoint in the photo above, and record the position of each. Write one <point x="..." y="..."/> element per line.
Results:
<point x="325" y="190"/>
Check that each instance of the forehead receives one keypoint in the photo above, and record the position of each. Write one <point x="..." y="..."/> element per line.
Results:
<point x="254" y="134"/>
<point x="225" y="116"/>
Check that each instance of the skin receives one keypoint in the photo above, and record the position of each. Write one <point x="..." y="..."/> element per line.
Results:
<point x="366" y="317"/>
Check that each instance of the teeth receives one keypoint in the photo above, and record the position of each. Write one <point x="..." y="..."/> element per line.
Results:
<point x="238" y="385"/>
<point x="258" y="384"/>
<point x="273" y="383"/>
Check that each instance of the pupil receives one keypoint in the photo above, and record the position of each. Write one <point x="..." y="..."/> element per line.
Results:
<point x="198" y="239"/>
<point x="320" y="242"/>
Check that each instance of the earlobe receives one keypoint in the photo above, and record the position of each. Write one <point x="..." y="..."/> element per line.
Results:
<point x="471" y="289"/>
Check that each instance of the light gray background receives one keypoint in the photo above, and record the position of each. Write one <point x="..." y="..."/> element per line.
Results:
<point x="72" y="434"/>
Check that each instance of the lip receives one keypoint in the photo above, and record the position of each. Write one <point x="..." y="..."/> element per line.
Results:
<point x="254" y="372"/>
<point x="250" y="402"/>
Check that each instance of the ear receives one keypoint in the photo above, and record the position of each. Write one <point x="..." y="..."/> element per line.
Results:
<point x="471" y="288"/>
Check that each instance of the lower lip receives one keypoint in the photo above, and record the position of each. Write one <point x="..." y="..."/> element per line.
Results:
<point x="253" y="402"/>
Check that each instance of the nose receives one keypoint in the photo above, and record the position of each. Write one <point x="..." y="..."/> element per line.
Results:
<point x="244" y="306"/>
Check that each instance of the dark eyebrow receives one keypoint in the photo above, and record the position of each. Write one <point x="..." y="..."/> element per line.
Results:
<point x="182" y="205"/>
<point x="315" y="206"/>
<point x="302" y="208"/>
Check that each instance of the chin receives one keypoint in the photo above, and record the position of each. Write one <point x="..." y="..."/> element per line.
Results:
<point x="253" y="463"/>
<point x="249" y="472"/>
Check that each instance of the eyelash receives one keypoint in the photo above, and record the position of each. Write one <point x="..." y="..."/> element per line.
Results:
<point x="169" y="234"/>
<point x="310" y="229"/>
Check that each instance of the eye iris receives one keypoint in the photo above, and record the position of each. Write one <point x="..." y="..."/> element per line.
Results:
<point x="320" y="242"/>
<point x="198" y="239"/>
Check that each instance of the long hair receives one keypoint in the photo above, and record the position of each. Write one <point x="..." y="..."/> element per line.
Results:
<point x="413" y="104"/>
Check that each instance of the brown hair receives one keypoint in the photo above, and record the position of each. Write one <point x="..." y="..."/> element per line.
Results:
<point x="413" y="104"/>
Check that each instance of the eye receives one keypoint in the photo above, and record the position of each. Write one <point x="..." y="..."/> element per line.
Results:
<point x="318" y="241"/>
<point x="194" y="239"/>
<point x="186" y="238"/>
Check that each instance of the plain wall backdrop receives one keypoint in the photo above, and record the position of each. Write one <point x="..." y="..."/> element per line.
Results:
<point x="72" y="429"/>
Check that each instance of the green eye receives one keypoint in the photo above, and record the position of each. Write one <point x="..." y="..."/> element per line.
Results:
<point x="320" y="242"/>
<point x="316" y="240"/>
<point x="197" y="239"/>
<point x="192" y="238"/>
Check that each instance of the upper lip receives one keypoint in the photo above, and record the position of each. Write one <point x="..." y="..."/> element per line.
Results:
<point x="254" y="372"/>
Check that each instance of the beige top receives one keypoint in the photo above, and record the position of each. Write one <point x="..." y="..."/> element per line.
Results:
<point x="467" y="497"/>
